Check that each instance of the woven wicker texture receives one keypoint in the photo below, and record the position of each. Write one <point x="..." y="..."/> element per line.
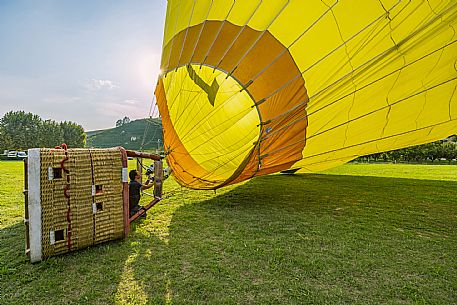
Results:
<point x="109" y="222"/>
<point x="86" y="167"/>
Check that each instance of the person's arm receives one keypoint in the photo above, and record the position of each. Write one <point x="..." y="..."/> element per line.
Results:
<point x="147" y="185"/>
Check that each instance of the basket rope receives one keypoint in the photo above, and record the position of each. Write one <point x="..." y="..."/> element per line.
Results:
<point x="66" y="191"/>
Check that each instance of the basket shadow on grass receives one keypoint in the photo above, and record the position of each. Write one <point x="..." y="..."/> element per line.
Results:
<point x="87" y="276"/>
<point x="308" y="239"/>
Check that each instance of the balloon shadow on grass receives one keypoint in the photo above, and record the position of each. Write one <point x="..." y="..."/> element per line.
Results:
<point x="305" y="239"/>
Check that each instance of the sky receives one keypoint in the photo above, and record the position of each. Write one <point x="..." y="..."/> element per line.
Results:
<point x="90" y="62"/>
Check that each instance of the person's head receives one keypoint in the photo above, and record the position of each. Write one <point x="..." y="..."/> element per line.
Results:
<point x="133" y="174"/>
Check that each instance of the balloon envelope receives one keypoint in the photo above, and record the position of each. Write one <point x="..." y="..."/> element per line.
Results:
<point x="255" y="87"/>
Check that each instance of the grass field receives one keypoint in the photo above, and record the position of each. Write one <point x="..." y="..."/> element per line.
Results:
<point x="359" y="234"/>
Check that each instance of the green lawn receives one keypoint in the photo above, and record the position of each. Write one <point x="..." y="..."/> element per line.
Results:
<point x="409" y="171"/>
<point x="358" y="234"/>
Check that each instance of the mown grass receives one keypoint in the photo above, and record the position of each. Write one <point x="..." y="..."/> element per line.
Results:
<point x="410" y="171"/>
<point x="334" y="238"/>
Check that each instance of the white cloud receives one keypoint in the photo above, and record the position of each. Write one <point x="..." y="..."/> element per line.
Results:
<point x="132" y="101"/>
<point x="100" y="84"/>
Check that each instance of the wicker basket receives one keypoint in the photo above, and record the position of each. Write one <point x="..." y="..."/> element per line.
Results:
<point x="90" y="211"/>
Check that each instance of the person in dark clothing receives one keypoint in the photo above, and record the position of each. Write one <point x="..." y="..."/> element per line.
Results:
<point x="135" y="188"/>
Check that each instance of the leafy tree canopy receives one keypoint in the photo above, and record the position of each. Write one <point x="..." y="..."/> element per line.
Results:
<point x="20" y="130"/>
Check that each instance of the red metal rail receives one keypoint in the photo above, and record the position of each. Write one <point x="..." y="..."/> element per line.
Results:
<point x="137" y="154"/>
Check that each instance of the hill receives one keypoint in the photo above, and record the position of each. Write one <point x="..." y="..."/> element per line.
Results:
<point x="129" y="135"/>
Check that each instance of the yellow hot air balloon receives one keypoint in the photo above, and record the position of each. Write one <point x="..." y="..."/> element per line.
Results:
<point x="255" y="87"/>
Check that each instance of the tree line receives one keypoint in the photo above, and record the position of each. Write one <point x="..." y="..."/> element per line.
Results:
<point x="20" y="130"/>
<point x="444" y="149"/>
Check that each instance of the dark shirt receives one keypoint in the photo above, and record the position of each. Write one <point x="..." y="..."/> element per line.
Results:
<point x="134" y="193"/>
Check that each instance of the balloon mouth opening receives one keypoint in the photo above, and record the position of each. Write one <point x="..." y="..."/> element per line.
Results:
<point x="214" y="119"/>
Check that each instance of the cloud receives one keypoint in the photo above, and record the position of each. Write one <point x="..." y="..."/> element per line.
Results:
<point x="100" y="84"/>
<point x="132" y="101"/>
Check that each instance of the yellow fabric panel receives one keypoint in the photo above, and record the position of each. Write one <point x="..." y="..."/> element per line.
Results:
<point x="267" y="13"/>
<point x="307" y="12"/>
<point x="319" y="164"/>
<point x="220" y="10"/>
<point x="365" y="129"/>
<point x="176" y="20"/>
<point x="331" y="159"/>
<point x="217" y="137"/>
<point x="243" y="11"/>
<point x="412" y="17"/>
<point x="406" y="89"/>
<point x="201" y="10"/>
<point x="344" y="39"/>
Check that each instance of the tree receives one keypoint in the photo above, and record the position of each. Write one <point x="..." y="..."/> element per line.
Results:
<point x="21" y="128"/>
<point x="410" y="154"/>
<point x="50" y="134"/>
<point x="449" y="151"/>
<point x="73" y="134"/>
<point x="432" y="151"/>
<point x="395" y="155"/>
<point x="5" y="140"/>
<point x="125" y="120"/>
